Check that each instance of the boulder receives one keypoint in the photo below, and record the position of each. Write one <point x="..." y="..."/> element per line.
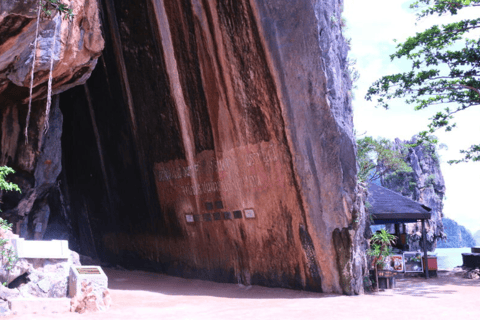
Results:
<point x="4" y="309"/>
<point x="473" y="274"/>
<point x="89" y="301"/>
<point x="7" y="293"/>
<point x="46" y="278"/>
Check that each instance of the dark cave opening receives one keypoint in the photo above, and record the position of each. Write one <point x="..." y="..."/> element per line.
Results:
<point x="19" y="281"/>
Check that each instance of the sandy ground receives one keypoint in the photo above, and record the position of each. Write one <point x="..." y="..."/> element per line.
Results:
<point x="143" y="295"/>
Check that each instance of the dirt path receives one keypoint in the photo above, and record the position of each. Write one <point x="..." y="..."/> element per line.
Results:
<point x="143" y="295"/>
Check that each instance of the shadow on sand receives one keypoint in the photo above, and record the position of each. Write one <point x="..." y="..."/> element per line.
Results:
<point x="443" y="284"/>
<point x="159" y="283"/>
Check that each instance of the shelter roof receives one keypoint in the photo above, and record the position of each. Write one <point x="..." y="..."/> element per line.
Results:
<point x="387" y="206"/>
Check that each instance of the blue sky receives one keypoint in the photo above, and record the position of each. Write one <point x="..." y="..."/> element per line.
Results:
<point x="372" y="25"/>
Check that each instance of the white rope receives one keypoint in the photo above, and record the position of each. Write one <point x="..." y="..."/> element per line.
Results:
<point x="31" y="75"/>
<point x="49" y="94"/>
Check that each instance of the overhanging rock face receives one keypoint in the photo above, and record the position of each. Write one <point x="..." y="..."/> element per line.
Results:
<point x="214" y="140"/>
<point x="70" y="48"/>
<point x="75" y="46"/>
<point x="208" y="113"/>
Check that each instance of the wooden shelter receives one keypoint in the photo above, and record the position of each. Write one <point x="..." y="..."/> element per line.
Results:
<point x="389" y="207"/>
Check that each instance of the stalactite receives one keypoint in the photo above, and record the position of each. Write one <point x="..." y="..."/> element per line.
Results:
<point x="34" y="55"/>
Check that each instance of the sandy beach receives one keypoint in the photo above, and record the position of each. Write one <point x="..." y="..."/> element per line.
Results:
<point x="144" y="295"/>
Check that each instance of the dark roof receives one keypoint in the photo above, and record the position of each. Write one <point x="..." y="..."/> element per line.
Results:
<point x="387" y="206"/>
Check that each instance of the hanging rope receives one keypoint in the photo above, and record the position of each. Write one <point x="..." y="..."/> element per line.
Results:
<point x="50" y="77"/>
<point x="33" y="71"/>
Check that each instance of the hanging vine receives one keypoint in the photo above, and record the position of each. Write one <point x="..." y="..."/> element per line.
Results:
<point x="48" y="7"/>
<point x="50" y="77"/>
<point x="34" y="55"/>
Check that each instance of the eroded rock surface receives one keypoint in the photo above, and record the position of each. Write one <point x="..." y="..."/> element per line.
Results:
<point x="75" y="46"/>
<point x="457" y="236"/>
<point x="215" y="140"/>
<point x="47" y="278"/>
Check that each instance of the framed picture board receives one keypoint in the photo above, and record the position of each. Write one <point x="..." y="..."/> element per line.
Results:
<point x="413" y="261"/>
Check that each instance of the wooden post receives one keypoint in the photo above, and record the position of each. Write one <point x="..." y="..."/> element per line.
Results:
<point x="425" y="251"/>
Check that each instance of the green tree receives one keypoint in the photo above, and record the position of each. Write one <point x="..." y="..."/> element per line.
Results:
<point x="445" y="69"/>
<point x="376" y="157"/>
<point x="4" y="184"/>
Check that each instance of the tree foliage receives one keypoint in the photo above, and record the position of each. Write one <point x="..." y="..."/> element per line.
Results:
<point x="445" y="69"/>
<point x="376" y="157"/>
<point x="4" y="184"/>
<point x="50" y="6"/>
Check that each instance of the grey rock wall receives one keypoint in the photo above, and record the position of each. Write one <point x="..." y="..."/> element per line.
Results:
<point x="425" y="185"/>
<point x="457" y="236"/>
<point x="476" y="235"/>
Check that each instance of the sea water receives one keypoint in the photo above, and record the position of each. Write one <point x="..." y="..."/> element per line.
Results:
<point x="449" y="258"/>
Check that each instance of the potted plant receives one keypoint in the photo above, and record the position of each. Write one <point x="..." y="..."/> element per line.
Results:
<point x="380" y="248"/>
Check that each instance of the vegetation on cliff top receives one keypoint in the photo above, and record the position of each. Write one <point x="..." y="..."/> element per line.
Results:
<point x="445" y="68"/>
<point x="50" y="6"/>
<point x="376" y="157"/>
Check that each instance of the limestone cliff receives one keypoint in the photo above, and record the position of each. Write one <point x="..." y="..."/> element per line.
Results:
<point x="74" y="45"/>
<point x="457" y="236"/>
<point x="214" y="140"/>
<point x="476" y="235"/>
<point x="69" y="48"/>
<point x="424" y="184"/>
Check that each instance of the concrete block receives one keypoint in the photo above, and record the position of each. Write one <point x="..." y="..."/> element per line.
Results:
<point x="53" y="249"/>
<point x="92" y="275"/>
<point x="21" y="306"/>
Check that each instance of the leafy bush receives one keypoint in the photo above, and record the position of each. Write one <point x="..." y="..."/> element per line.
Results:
<point x="8" y="257"/>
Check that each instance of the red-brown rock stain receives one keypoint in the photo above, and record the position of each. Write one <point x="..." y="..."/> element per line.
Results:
<point x="184" y="36"/>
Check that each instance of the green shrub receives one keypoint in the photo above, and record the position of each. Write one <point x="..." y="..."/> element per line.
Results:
<point x="7" y="254"/>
